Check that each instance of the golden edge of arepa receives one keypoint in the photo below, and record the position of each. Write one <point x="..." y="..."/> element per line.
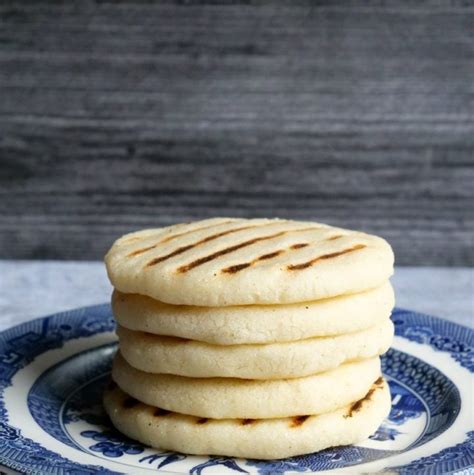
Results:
<point x="247" y="438"/>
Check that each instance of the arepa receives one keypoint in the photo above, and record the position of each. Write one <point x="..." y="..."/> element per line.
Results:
<point x="221" y="398"/>
<point x="250" y="337"/>
<point x="224" y="262"/>
<point x="246" y="324"/>
<point x="169" y="355"/>
<point x="261" y="439"/>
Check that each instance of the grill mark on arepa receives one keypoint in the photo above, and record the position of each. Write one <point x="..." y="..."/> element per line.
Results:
<point x="298" y="421"/>
<point x="141" y="251"/>
<point x="185" y="233"/>
<point x="182" y="249"/>
<point x="305" y="265"/>
<point x="174" y="236"/>
<point x="270" y="255"/>
<point x="238" y="267"/>
<point x="357" y="406"/>
<point x="161" y="412"/>
<point x="202" y="420"/>
<point x="236" y="247"/>
<point x="333" y="238"/>
<point x="299" y="245"/>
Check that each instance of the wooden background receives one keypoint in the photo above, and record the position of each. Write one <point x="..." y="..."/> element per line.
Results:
<point x="121" y="115"/>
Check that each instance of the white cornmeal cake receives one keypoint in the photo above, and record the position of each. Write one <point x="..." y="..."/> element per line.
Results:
<point x="169" y="355"/>
<point x="230" y="398"/>
<point x="223" y="261"/>
<point x="246" y="324"/>
<point x="263" y="439"/>
<point x="250" y="338"/>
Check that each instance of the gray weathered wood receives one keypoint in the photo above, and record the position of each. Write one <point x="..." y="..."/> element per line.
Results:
<point x="116" y="116"/>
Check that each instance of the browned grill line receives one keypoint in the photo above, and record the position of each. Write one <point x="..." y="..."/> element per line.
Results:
<point x="270" y="255"/>
<point x="130" y="402"/>
<point x="235" y="247"/>
<point x="238" y="267"/>
<point x="160" y="412"/>
<point x="333" y="238"/>
<point x="357" y="406"/>
<point x="141" y="251"/>
<point x="299" y="245"/>
<point x="305" y="265"/>
<point x="203" y="420"/>
<point x="182" y="249"/>
<point x="174" y="236"/>
<point x="298" y="421"/>
<point x="184" y="233"/>
<point x="246" y="422"/>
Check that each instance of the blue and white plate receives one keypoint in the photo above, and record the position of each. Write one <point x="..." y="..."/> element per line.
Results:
<point x="53" y="370"/>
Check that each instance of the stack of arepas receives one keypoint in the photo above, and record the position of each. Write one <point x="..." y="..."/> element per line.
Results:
<point x="252" y="338"/>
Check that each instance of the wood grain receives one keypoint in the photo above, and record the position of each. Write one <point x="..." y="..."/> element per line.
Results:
<point x="121" y="115"/>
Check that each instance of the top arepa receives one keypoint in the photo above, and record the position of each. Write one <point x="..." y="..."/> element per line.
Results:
<point x="225" y="261"/>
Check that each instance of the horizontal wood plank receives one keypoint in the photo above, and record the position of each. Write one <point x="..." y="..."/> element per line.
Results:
<point x="121" y="115"/>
